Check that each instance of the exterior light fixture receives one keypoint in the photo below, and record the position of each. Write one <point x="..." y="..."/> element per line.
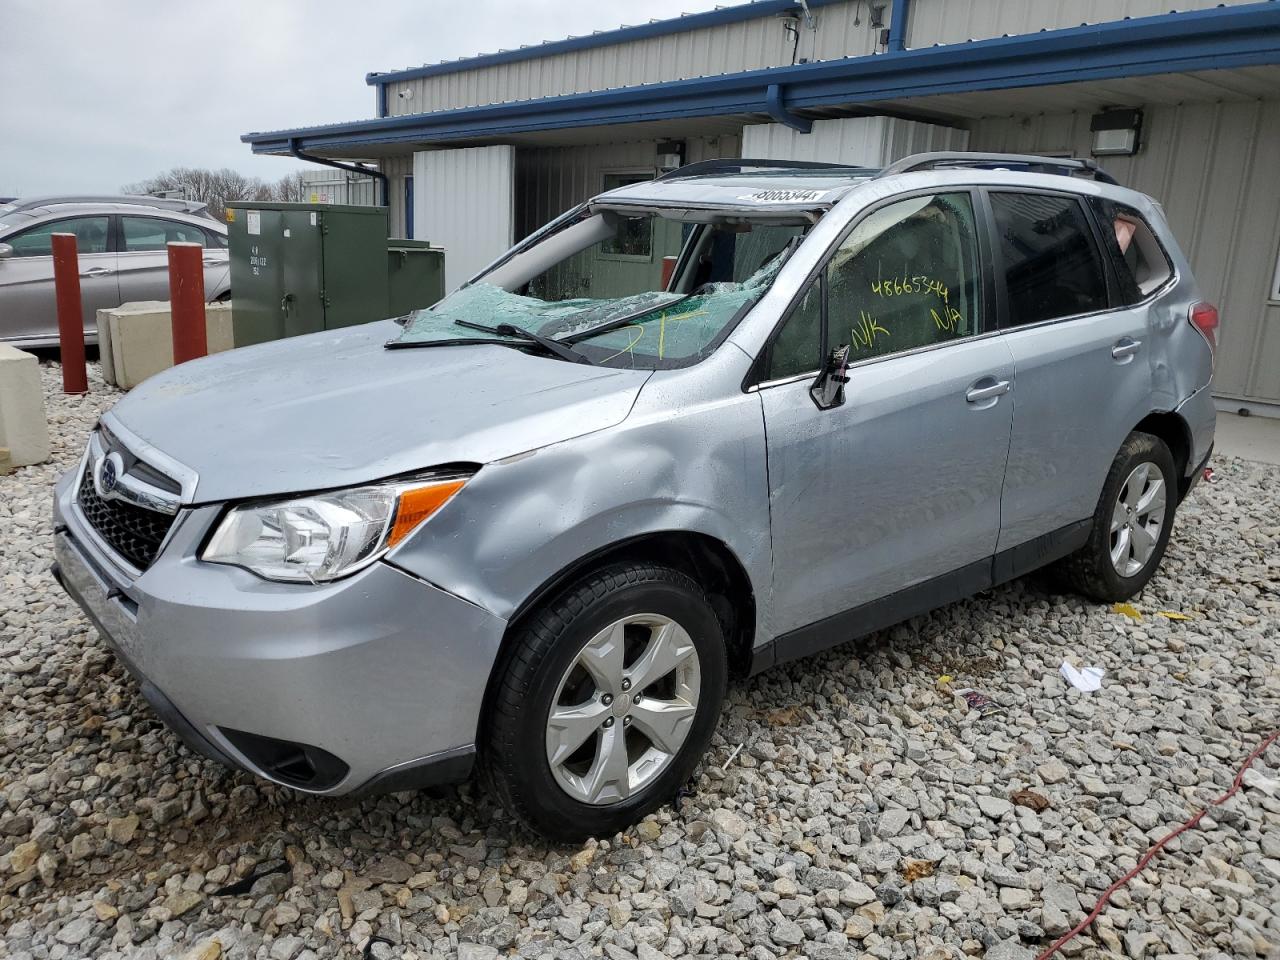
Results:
<point x="670" y="155"/>
<point x="1116" y="132"/>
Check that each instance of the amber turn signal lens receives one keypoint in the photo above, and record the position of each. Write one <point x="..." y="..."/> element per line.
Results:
<point x="416" y="505"/>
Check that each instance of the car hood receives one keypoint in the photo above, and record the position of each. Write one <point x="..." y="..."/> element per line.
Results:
<point x="336" y="408"/>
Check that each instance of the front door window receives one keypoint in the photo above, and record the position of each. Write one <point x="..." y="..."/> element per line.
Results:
<point x="907" y="276"/>
<point x="91" y="237"/>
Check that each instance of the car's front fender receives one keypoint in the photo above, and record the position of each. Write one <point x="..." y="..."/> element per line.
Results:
<point x="522" y="520"/>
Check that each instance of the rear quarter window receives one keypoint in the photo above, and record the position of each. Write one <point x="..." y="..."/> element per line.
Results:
<point x="1141" y="264"/>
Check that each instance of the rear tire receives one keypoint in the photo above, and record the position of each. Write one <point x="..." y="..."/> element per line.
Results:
<point x="1131" y="524"/>
<point x="605" y="702"/>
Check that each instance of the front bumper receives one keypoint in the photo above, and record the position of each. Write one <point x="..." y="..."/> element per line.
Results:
<point x="381" y="672"/>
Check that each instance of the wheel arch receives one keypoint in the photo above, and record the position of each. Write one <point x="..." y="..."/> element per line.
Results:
<point x="1170" y="427"/>
<point x="704" y="558"/>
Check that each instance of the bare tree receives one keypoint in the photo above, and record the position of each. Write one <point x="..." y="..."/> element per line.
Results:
<point x="219" y="187"/>
<point x="291" y="188"/>
<point x="213" y="187"/>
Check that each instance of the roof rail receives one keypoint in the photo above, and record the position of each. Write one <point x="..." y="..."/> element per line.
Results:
<point x="163" y="203"/>
<point x="738" y="165"/>
<point x="1027" y="163"/>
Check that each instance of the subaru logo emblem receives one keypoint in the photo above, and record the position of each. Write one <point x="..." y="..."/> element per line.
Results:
<point x="109" y="478"/>
<point x="106" y="477"/>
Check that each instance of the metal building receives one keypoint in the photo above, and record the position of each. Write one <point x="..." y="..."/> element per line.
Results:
<point x="339" y="186"/>
<point x="1184" y="105"/>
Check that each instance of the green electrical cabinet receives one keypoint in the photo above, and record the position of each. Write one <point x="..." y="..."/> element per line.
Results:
<point x="415" y="276"/>
<point x="303" y="267"/>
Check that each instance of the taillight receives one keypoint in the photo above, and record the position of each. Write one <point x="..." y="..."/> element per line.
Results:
<point x="1204" y="317"/>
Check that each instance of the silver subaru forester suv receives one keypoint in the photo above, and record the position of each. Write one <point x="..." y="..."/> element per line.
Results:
<point x="692" y="428"/>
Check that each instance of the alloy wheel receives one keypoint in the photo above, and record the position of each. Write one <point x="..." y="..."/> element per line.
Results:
<point x="1136" y="519"/>
<point x="623" y="708"/>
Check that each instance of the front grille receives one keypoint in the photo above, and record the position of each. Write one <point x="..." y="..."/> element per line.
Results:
<point x="134" y="532"/>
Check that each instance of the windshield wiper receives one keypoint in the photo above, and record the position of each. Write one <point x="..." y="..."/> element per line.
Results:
<point x="554" y="347"/>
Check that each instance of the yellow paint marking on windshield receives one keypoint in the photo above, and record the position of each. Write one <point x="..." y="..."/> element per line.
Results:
<point x="630" y="346"/>
<point x="662" y="332"/>
<point x="700" y="312"/>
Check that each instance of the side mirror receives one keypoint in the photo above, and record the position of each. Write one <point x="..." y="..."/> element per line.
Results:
<point x="828" y="390"/>
<point x="6" y="251"/>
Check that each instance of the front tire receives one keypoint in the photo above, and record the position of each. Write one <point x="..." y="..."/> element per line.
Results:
<point x="1131" y="524"/>
<point x="605" y="702"/>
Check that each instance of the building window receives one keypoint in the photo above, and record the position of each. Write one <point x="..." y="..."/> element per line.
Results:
<point x="634" y="239"/>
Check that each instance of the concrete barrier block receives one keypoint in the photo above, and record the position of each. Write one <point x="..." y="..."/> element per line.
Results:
<point x="141" y="338"/>
<point x="104" y="347"/>
<point x="24" y="429"/>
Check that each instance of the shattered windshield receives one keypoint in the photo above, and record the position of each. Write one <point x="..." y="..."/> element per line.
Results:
<point x="625" y="289"/>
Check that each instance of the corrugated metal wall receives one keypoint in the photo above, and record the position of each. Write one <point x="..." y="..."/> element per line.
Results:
<point x="334" y="186"/>
<point x="859" y="141"/>
<point x="843" y="30"/>
<point x="953" y="21"/>
<point x="463" y="201"/>
<point x="396" y="169"/>
<point x="1214" y="169"/>
<point x="549" y="180"/>
<point x="746" y="45"/>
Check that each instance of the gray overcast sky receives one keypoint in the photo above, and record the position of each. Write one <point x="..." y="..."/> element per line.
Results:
<point x="94" y="95"/>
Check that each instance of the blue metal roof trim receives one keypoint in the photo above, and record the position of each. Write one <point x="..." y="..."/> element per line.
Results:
<point x="656" y="28"/>
<point x="1218" y="38"/>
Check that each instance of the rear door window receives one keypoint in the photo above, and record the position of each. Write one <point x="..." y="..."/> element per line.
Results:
<point x="1141" y="264"/>
<point x="90" y="232"/>
<point x="151" y="234"/>
<point x="1052" y="264"/>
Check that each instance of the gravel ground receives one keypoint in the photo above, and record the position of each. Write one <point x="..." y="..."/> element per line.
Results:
<point x="867" y="813"/>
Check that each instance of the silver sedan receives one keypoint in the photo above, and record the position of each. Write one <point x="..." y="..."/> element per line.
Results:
<point x="123" y="258"/>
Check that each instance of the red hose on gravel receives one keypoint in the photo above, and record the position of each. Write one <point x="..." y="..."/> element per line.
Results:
<point x="1146" y="858"/>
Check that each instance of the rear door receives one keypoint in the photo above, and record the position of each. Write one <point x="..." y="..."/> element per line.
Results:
<point x="28" y="304"/>
<point x="900" y="484"/>
<point x="144" y="255"/>
<point x="1082" y="361"/>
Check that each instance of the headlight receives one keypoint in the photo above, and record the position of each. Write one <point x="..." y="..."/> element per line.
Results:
<point x="326" y="535"/>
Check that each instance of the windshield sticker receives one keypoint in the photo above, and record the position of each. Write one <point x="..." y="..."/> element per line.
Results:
<point x="784" y="196"/>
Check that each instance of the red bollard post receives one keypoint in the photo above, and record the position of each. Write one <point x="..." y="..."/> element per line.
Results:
<point x="66" y="285"/>
<point x="186" y="301"/>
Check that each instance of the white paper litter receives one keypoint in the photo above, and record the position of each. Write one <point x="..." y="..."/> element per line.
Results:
<point x="1087" y="679"/>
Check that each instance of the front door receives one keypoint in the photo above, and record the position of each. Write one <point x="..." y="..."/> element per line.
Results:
<point x="899" y="484"/>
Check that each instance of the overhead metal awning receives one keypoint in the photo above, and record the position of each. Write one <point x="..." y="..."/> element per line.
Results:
<point x="1240" y="45"/>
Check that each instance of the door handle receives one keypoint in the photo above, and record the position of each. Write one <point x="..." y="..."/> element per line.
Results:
<point x="977" y="394"/>
<point x="1125" y="347"/>
<point x="212" y="262"/>
<point x="97" y="272"/>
